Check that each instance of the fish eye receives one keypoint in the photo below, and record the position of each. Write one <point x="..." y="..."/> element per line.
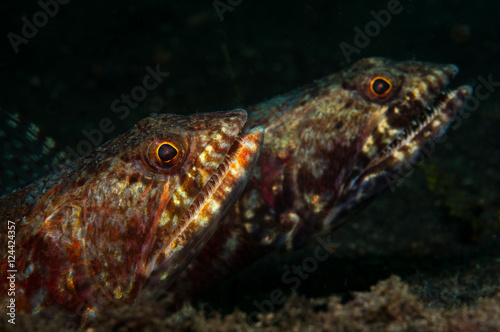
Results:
<point x="164" y="154"/>
<point x="380" y="86"/>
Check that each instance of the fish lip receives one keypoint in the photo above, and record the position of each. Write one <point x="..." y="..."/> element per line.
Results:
<point x="434" y="119"/>
<point x="215" y="181"/>
<point x="454" y="100"/>
<point x="215" y="177"/>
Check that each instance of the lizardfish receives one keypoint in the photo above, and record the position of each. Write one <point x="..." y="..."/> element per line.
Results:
<point x="126" y="218"/>
<point x="330" y="147"/>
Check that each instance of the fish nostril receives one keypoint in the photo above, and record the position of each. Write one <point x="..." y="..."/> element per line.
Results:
<point x="466" y="91"/>
<point x="450" y="71"/>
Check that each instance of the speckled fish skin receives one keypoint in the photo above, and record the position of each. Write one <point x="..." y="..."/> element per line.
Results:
<point x="129" y="216"/>
<point x="330" y="147"/>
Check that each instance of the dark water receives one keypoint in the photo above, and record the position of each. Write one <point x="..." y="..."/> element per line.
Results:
<point x="438" y="225"/>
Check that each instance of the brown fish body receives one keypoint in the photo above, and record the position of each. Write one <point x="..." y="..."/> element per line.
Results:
<point x="129" y="216"/>
<point x="330" y="147"/>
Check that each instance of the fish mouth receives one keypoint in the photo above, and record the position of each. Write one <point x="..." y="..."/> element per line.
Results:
<point x="207" y="210"/>
<point x="403" y="152"/>
<point x="225" y="185"/>
<point x="431" y="122"/>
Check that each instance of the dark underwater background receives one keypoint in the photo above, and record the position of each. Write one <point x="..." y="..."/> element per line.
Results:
<point x="438" y="231"/>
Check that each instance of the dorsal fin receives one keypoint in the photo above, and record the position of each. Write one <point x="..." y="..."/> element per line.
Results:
<point x="26" y="152"/>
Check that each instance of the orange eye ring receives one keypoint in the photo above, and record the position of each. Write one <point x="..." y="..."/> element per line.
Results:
<point x="380" y="86"/>
<point x="164" y="155"/>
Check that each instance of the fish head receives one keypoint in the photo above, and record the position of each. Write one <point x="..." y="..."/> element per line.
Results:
<point x="373" y="124"/>
<point x="149" y="200"/>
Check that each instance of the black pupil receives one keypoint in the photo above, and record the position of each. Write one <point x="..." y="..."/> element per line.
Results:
<point x="380" y="86"/>
<point x="166" y="152"/>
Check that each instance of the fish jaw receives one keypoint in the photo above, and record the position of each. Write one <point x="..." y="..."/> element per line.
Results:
<point x="207" y="211"/>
